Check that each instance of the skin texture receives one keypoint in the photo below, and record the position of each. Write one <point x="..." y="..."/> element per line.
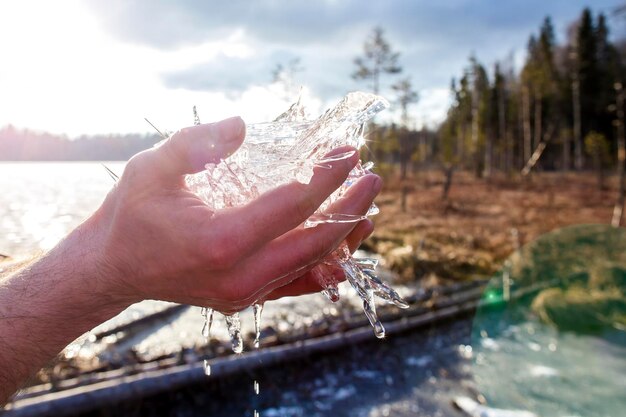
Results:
<point x="154" y="239"/>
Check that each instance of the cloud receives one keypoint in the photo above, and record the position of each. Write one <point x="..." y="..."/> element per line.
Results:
<point x="170" y="24"/>
<point x="231" y="75"/>
<point x="435" y="39"/>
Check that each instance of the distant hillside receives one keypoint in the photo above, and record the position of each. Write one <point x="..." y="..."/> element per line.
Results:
<point x="26" y="145"/>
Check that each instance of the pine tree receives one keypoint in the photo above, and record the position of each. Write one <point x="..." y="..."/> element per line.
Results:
<point x="587" y="56"/>
<point x="405" y="97"/>
<point x="480" y="98"/>
<point x="378" y="59"/>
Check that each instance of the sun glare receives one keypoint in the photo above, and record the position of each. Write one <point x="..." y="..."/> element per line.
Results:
<point x="63" y="74"/>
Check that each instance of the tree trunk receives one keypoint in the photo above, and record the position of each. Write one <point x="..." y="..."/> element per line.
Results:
<point x="566" y="152"/>
<point x="528" y="140"/>
<point x="405" y="192"/>
<point x="403" y="139"/>
<point x="502" y="134"/>
<point x="621" y="158"/>
<point x="578" y="145"/>
<point x="403" y="169"/>
<point x="475" y="133"/>
<point x="538" y="119"/>
<point x="597" y="161"/>
<point x="488" y="156"/>
<point x="532" y="161"/>
<point x="461" y="143"/>
<point x="448" y="172"/>
<point x="509" y="152"/>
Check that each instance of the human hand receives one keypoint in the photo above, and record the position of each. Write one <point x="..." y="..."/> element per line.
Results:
<point x="160" y="241"/>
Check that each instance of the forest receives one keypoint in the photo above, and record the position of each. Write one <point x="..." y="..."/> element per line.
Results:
<point x="561" y="110"/>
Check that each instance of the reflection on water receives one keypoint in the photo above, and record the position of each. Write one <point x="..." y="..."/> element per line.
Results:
<point x="40" y="202"/>
<point x="558" y="348"/>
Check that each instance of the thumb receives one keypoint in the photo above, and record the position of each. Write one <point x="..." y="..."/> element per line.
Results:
<point x="190" y="149"/>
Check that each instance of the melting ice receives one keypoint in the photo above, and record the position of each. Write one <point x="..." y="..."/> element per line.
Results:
<point x="287" y="150"/>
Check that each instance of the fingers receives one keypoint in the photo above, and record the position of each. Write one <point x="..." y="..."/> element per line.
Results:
<point x="309" y="282"/>
<point x="306" y="284"/>
<point x="278" y="211"/>
<point x="190" y="149"/>
<point x="361" y="232"/>
<point x="304" y="247"/>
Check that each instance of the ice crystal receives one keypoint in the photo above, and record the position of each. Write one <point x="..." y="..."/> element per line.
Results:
<point x="287" y="150"/>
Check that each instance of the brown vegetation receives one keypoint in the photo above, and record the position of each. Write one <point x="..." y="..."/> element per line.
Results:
<point x="481" y="223"/>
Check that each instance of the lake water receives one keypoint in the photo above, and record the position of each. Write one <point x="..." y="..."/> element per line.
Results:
<point x="40" y="202"/>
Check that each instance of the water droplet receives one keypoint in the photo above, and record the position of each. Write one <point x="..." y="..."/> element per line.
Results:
<point x="208" y="322"/>
<point x="372" y="211"/>
<point x="256" y="414"/>
<point x="332" y="292"/>
<point x="257" y="309"/>
<point x="207" y="368"/>
<point x="256" y="387"/>
<point x="366" y="263"/>
<point x="379" y="330"/>
<point x="326" y="278"/>
<point x="234" y="330"/>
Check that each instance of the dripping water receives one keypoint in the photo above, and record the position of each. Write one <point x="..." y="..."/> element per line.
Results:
<point x="234" y="331"/>
<point x="257" y="308"/>
<point x="207" y="313"/>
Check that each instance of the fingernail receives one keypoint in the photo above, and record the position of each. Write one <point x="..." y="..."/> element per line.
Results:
<point x="230" y="129"/>
<point x="377" y="184"/>
<point x="355" y="158"/>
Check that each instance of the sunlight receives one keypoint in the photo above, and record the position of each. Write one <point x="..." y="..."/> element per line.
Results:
<point x="61" y="73"/>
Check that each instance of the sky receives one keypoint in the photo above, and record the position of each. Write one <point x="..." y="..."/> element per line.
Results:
<point x="93" y="66"/>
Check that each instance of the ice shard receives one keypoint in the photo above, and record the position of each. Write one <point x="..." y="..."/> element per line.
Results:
<point x="288" y="149"/>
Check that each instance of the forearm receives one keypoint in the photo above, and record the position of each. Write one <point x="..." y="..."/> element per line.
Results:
<point x="48" y="303"/>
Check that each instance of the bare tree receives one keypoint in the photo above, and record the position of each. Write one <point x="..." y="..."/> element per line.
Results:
<point x="621" y="157"/>
<point x="578" y="145"/>
<point x="377" y="59"/>
<point x="405" y="97"/>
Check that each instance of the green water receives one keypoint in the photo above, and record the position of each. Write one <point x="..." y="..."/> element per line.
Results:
<point x="559" y="349"/>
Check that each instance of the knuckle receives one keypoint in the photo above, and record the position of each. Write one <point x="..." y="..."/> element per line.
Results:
<point x="136" y="165"/>
<point x="173" y="147"/>
<point x="313" y="254"/>
<point x="305" y="206"/>
<point x="182" y="135"/>
<point x="319" y="250"/>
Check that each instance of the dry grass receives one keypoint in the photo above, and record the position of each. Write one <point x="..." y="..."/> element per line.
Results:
<point x="482" y="222"/>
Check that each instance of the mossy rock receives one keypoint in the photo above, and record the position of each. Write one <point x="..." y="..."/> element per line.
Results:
<point x="581" y="310"/>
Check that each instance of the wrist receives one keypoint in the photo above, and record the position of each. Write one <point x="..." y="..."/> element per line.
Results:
<point x="52" y="301"/>
<point x="91" y="281"/>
